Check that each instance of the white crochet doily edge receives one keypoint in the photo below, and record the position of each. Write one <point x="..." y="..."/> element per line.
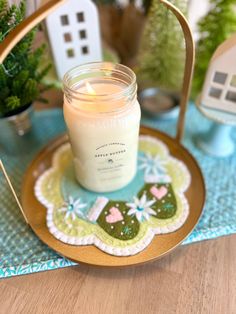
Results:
<point x="93" y="239"/>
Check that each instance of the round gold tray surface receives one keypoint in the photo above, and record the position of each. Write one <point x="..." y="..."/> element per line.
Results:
<point x="160" y="245"/>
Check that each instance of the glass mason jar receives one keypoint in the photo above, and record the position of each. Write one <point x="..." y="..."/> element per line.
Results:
<point x="103" y="118"/>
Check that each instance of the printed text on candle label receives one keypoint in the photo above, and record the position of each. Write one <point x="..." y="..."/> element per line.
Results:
<point x="110" y="159"/>
<point x="110" y="154"/>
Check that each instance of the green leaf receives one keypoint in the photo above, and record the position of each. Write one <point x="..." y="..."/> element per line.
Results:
<point x="30" y="92"/>
<point x="20" y="77"/>
<point x="12" y="102"/>
<point x="4" y="93"/>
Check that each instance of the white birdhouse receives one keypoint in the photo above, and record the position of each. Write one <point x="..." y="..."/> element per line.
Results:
<point x="74" y="35"/>
<point x="219" y="91"/>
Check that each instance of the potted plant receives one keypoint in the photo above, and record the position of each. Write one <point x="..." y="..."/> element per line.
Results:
<point x="161" y="61"/>
<point x="21" y="76"/>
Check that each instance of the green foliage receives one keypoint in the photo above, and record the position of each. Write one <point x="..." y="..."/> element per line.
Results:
<point x="214" y="29"/>
<point x="12" y="102"/>
<point x="20" y="74"/>
<point x="161" y="57"/>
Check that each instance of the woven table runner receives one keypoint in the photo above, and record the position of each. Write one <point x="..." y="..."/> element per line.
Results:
<point x="21" y="252"/>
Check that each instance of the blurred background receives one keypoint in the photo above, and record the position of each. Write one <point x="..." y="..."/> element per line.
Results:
<point x="145" y="36"/>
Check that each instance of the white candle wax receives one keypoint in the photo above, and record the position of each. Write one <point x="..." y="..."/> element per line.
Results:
<point x="103" y="130"/>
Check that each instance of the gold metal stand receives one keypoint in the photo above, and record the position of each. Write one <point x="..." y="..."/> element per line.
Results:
<point x="189" y="65"/>
<point x="89" y="254"/>
<point x="12" y="190"/>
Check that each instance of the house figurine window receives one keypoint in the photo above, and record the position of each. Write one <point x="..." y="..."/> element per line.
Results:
<point x="219" y="91"/>
<point x="74" y="35"/>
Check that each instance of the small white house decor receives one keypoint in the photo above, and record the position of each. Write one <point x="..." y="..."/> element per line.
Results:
<point x="74" y="35"/>
<point x="219" y="91"/>
<point x="218" y="101"/>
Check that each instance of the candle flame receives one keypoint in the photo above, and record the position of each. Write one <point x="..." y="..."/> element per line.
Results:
<point x="89" y="88"/>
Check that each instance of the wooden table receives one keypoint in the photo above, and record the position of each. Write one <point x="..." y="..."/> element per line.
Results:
<point x="197" y="279"/>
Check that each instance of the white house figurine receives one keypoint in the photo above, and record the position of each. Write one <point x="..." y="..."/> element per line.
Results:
<point x="74" y="35"/>
<point x="219" y="91"/>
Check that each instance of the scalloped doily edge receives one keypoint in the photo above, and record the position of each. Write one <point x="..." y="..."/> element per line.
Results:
<point x="93" y="239"/>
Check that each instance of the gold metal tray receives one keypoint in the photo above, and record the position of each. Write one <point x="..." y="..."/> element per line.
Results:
<point x="160" y="245"/>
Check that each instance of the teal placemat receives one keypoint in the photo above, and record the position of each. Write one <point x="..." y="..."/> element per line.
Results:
<point x="22" y="253"/>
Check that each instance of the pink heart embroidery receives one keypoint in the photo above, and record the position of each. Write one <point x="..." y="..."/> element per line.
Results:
<point x="159" y="193"/>
<point x="114" y="216"/>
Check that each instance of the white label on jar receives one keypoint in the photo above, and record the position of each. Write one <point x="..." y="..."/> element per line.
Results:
<point x="110" y="160"/>
<point x="109" y="165"/>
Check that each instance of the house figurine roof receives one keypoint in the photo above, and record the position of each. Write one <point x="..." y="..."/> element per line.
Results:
<point x="224" y="47"/>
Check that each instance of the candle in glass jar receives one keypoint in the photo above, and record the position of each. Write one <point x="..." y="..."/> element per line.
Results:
<point x="103" y="117"/>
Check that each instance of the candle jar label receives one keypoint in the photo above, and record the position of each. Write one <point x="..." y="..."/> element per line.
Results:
<point x="108" y="165"/>
<point x="111" y="160"/>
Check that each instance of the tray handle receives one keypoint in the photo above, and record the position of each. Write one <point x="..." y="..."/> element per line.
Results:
<point x="12" y="190"/>
<point x="189" y="66"/>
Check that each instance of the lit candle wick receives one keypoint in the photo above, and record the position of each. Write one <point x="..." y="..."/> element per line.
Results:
<point x="89" y="88"/>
